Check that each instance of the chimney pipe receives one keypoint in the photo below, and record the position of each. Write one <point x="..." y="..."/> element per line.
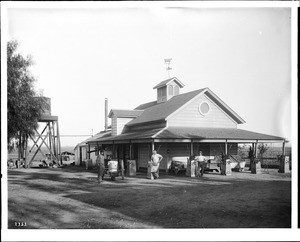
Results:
<point x="106" y="114"/>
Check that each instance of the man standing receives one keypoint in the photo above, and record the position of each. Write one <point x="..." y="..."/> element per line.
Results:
<point x="155" y="161"/>
<point x="101" y="166"/>
<point x="201" y="163"/>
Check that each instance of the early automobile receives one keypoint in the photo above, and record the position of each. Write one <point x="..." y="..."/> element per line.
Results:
<point x="178" y="164"/>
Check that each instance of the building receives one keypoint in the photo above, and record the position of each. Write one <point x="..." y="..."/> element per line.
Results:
<point x="176" y="125"/>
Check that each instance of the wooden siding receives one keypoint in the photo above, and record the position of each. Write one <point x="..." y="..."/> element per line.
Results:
<point x="117" y="124"/>
<point x="143" y="155"/>
<point x="167" y="150"/>
<point x="113" y="125"/>
<point x="190" y="116"/>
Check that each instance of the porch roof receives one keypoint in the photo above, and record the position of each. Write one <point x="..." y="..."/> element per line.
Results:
<point x="213" y="133"/>
<point x="186" y="134"/>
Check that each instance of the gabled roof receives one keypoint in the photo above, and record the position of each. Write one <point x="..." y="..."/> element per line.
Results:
<point x="122" y="113"/>
<point x="162" y="110"/>
<point x="140" y="134"/>
<point x="166" y="82"/>
<point x="99" y="135"/>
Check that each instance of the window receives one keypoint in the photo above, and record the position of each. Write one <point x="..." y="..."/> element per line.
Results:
<point x="176" y="90"/>
<point x="170" y="90"/>
<point x="203" y="108"/>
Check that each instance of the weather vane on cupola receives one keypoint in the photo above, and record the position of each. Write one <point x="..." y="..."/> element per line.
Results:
<point x="167" y="63"/>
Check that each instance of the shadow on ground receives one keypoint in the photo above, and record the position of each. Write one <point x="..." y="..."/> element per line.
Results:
<point x="72" y="198"/>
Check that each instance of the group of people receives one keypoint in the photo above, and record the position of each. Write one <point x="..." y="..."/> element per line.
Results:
<point x="156" y="159"/>
<point x="153" y="163"/>
<point x="19" y="163"/>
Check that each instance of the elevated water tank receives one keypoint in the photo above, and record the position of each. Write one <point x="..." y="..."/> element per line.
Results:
<point x="47" y="107"/>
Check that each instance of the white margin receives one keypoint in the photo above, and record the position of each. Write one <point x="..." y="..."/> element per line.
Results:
<point x="146" y="235"/>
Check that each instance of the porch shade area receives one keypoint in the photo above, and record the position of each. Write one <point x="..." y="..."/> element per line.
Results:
<point x="187" y="134"/>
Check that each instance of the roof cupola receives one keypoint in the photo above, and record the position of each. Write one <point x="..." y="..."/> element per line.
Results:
<point x="168" y="89"/>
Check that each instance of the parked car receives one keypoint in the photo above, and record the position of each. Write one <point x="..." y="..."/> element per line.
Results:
<point x="178" y="164"/>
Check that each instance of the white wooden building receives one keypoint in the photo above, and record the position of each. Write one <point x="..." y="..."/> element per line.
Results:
<point x="176" y="125"/>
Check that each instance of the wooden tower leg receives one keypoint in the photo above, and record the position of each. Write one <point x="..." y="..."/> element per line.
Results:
<point x="54" y="143"/>
<point x="50" y="141"/>
<point x="58" y="143"/>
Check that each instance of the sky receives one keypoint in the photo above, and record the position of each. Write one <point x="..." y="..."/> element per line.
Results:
<point x="83" y="56"/>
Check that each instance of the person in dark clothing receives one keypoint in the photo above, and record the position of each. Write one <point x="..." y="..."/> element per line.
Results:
<point x="101" y="166"/>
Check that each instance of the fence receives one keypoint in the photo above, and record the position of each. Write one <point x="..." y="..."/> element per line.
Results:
<point x="267" y="162"/>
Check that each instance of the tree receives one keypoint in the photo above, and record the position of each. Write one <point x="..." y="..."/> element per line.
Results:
<point x="262" y="149"/>
<point x="24" y="105"/>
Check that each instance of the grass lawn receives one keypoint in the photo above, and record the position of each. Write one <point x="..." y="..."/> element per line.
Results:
<point x="70" y="197"/>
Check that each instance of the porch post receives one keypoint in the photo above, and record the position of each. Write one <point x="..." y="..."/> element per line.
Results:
<point x="284" y="164"/>
<point x="80" y="155"/>
<point x="192" y="148"/>
<point x="88" y="153"/>
<point x="255" y="164"/>
<point x="130" y="149"/>
<point x="283" y="147"/>
<point x="226" y="152"/>
<point x="152" y="145"/>
<point x="97" y="153"/>
<point x="256" y="150"/>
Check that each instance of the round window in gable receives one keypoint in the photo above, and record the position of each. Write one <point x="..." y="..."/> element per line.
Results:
<point x="203" y="108"/>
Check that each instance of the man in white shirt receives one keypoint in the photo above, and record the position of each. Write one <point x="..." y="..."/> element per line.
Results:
<point x="155" y="161"/>
<point x="201" y="163"/>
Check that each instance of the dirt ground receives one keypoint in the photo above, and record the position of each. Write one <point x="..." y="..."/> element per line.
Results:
<point x="70" y="197"/>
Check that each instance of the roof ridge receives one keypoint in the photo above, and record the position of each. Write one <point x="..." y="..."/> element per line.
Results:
<point x="165" y="82"/>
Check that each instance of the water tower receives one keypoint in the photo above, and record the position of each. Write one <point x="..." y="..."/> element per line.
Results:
<point x="48" y="138"/>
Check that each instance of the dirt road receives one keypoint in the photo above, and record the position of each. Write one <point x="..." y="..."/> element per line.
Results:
<point x="71" y="198"/>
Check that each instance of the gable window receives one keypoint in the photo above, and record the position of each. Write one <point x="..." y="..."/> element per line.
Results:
<point x="170" y="90"/>
<point x="204" y="108"/>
